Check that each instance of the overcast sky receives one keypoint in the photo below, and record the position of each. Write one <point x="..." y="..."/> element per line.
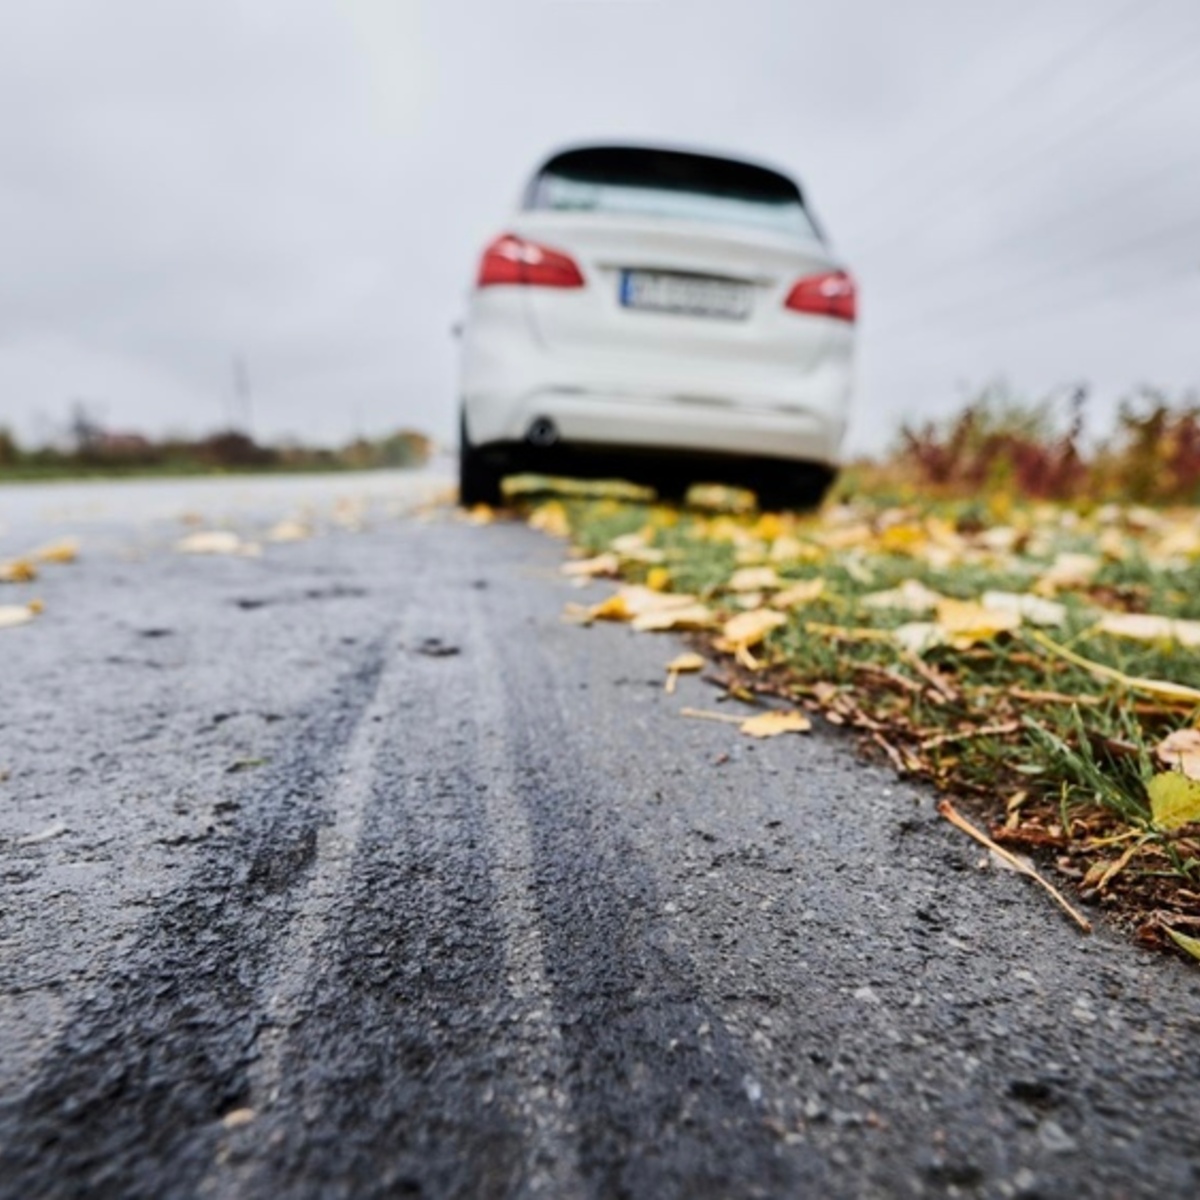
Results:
<point x="308" y="183"/>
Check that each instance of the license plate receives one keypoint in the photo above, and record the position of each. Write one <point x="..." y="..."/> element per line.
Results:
<point x="687" y="295"/>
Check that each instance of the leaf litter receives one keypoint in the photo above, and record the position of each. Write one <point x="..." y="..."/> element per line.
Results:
<point x="1034" y="662"/>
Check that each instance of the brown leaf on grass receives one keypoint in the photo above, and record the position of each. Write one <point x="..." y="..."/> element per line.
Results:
<point x="17" y="570"/>
<point x="1181" y="750"/>
<point x="772" y="724"/>
<point x="1174" y="800"/>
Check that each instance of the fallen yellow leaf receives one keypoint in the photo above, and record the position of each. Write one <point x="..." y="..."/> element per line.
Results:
<point x="658" y="578"/>
<point x="1189" y="945"/>
<point x="1034" y="609"/>
<point x="289" y="531"/>
<point x="635" y="547"/>
<point x="682" y="664"/>
<point x="1146" y="627"/>
<point x="966" y="622"/>
<point x="1068" y="571"/>
<point x="914" y="636"/>
<point x="911" y="596"/>
<point x="689" y="616"/>
<point x="753" y="579"/>
<point x="550" y="518"/>
<point x="635" y="600"/>
<point x="749" y="628"/>
<point x="590" y="568"/>
<point x="17" y="614"/>
<point x="17" y="570"/>
<point x="65" y="550"/>
<point x="804" y="592"/>
<point x="771" y="724"/>
<point x="1162" y="688"/>
<point x="215" y="541"/>
<point x="1174" y="800"/>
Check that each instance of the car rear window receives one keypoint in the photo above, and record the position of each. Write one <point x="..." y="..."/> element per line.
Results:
<point x="671" y="184"/>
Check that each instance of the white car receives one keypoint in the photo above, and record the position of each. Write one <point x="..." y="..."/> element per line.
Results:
<point x="662" y="316"/>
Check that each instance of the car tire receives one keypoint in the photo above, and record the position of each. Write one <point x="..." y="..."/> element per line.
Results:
<point x="478" y="479"/>
<point x="798" y="488"/>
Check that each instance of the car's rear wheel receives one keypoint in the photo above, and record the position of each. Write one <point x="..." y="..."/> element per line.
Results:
<point x="478" y="479"/>
<point x="795" y="488"/>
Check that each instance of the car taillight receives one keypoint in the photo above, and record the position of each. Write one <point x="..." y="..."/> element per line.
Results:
<point x="510" y="259"/>
<point x="830" y="295"/>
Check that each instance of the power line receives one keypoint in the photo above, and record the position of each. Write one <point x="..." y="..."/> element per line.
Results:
<point x="1085" y="266"/>
<point x="1025" y="84"/>
<point x="1085" y="303"/>
<point x="1125" y="101"/>
<point x="1095" y="202"/>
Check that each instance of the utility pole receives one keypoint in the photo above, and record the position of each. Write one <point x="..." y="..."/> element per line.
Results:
<point x="243" y="395"/>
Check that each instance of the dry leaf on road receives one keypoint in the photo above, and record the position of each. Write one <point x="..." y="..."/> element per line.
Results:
<point x="289" y="531"/>
<point x="592" y="568"/>
<point x="18" y="614"/>
<point x="17" y="570"/>
<point x="687" y="617"/>
<point x="682" y="664"/>
<point x="65" y="550"/>
<point x="216" y="541"/>
<point x="772" y="724"/>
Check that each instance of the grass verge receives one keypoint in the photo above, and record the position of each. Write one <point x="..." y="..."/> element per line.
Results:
<point x="1036" y="663"/>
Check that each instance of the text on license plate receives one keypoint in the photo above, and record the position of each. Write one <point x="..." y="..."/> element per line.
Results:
<point x="691" y="295"/>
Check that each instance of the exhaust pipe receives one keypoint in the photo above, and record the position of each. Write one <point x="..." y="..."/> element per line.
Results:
<point x="542" y="432"/>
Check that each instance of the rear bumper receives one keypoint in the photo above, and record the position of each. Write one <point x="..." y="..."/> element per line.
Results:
<point x="680" y="424"/>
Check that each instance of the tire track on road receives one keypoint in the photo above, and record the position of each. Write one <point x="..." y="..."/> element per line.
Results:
<point x="129" y="1100"/>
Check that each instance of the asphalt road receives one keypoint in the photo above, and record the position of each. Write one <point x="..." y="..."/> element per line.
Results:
<point x="350" y="870"/>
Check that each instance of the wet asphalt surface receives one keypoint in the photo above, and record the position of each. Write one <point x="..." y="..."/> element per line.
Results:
<point x="351" y="870"/>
